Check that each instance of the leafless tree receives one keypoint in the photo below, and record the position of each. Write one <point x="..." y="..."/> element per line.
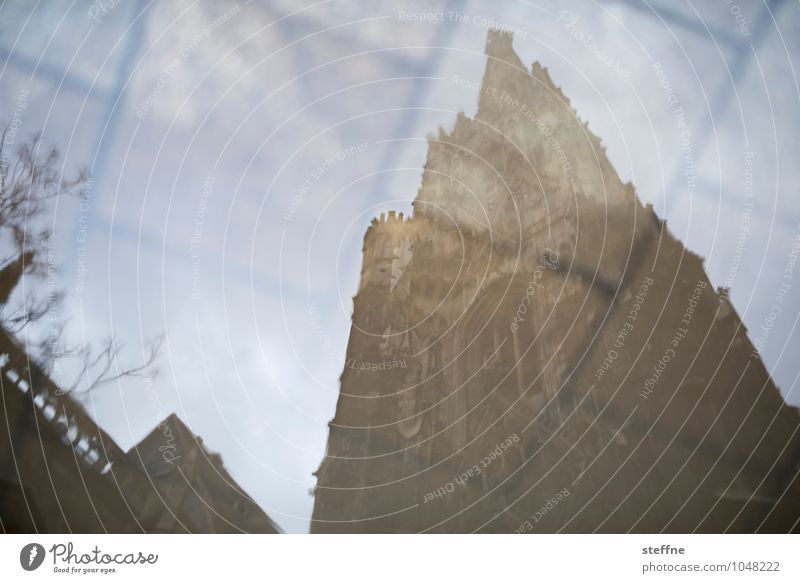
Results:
<point x="31" y="177"/>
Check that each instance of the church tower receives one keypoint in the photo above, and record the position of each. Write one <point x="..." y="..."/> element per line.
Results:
<point x="533" y="351"/>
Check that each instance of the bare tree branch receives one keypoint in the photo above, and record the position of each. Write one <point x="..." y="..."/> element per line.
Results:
<point x="31" y="178"/>
<point x="97" y="372"/>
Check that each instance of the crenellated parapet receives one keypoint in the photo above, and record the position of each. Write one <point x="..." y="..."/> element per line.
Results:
<point x="386" y="250"/>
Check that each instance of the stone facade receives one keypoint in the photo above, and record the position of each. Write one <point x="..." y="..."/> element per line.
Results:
<point x="534" y="351"/>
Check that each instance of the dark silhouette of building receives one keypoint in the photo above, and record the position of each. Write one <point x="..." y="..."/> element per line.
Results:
<point x="534" y="351"/>
<point x="195" y="491"/>
<point x="60" y="472"/>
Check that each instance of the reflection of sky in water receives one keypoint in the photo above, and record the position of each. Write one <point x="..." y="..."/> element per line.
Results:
<point x="251" y="106"/>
